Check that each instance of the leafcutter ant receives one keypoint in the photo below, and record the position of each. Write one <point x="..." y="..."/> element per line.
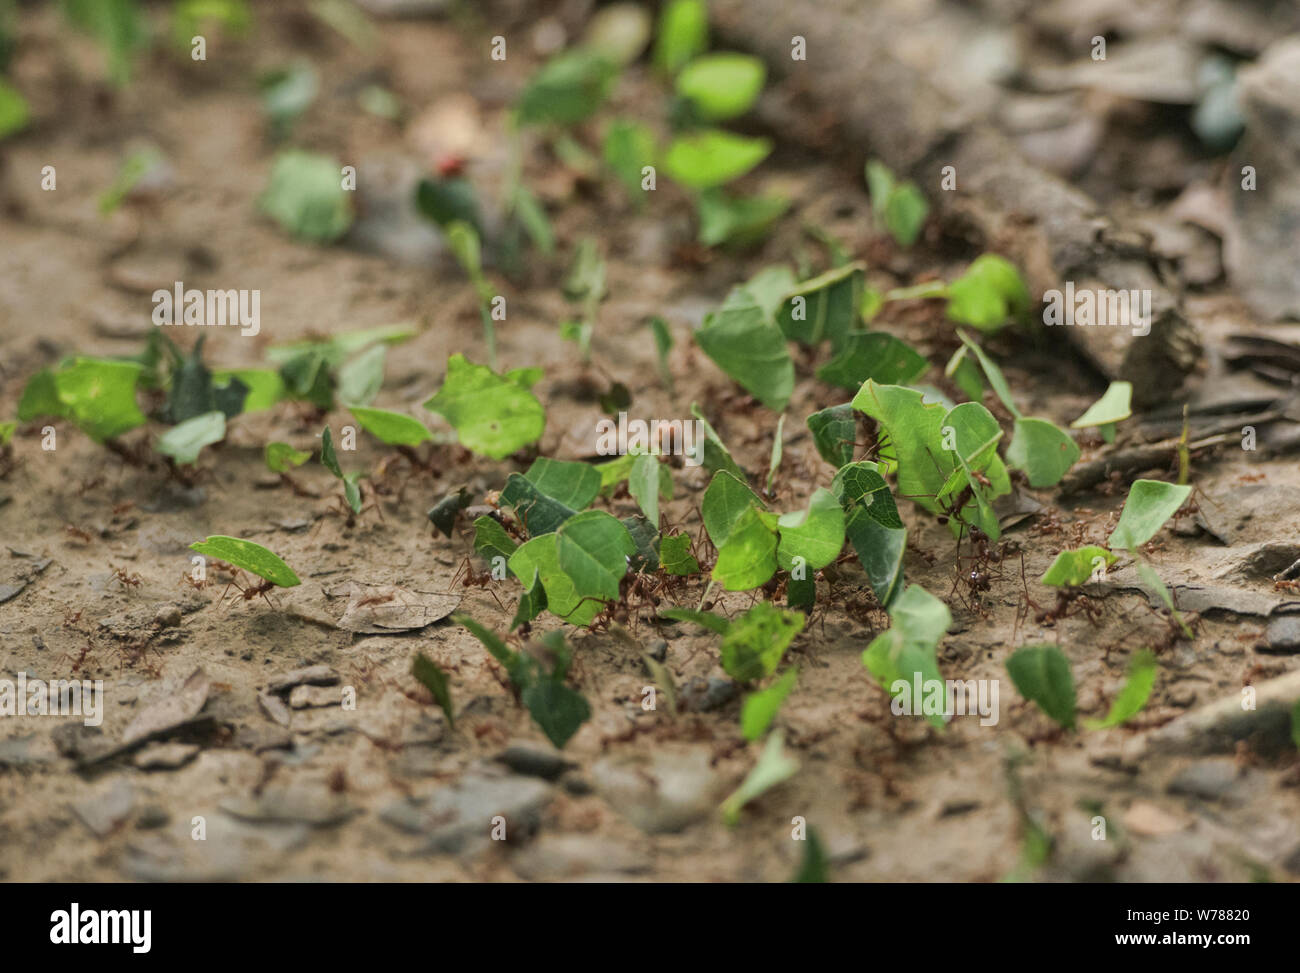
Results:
<point x="250" y="591"/>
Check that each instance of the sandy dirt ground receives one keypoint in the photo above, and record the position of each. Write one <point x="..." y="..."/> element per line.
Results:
<point x="387" y="790"/>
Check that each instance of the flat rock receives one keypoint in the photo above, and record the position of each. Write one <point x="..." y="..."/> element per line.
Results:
<point x="105" y="810"/>
<point x="274" y="708"/>
<point x="306" y="676"/>
<point x="568" y="856"/>
<point x="1212" y="779"/>
<point x="1152" y="821"/>
<point x="169" y="711"/>
<point x="459" y="816"/>
<point x="1217" y="727"/>
<point x="231" y="850"/>
<point x="309" y="697"/>
<point x="659" y="792"/>
<point x="296" y="804"/>
<point x="535" y="760"/>
<point x="165" y="756"/>
<point x="1282" y="634"/>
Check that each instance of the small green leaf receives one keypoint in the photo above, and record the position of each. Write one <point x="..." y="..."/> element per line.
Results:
<point x="663" y="345"/>
<point x="815" y="535"/>
<point x="683" y="32"/>
<point x="265" y="386"/>
<point x="1115" y="405"/>
<point x="816" y="865"/>
<point x="737" y="221"/>
<point x="675" y="555"/>
<point x="96" y="394"/>
<point x="747" y="559"/>
<point x="328" y="458"/>
<point x="643" y="484"/>
<point x="567" y="89"/>
<point x="450" y="201"/>
<point x="538" y="513"/>
<point x="443" y="514"/>
<point x="184" y="442"/>
<point x="1150" y="503"/>
<point x="13" y="110"/>
<point x="905" y="652"/>
<point x="873" y="355"/>
<point x="574" y="485"/>
<point x="557" y="709"/>
<point x="1042" y="675"/>
<point x="725" y="499"/>
<point x="628" y="148"/>
<point x="250" y="556"/>
<point x="426" y="671"/>
<point x="997" y="381"/>
<point x="281" y="457"/>
<point x="988" y="294"/>
<point x="747" y="345"/>
<point x="1134" y="695"/>
<point x="361" y="378"/>
<point x="860" y="485"/>
<point x="774" y="766"/>
<point x="491" y="540"/>
<point x="834" y="433"/>
<point x="392" y="428"/>
<point x="722" y="86"/>
<point x="538" y="558"/>
<point x="493" y="416"/>
<point x="306" y="196"/>
<point x="715" y="455"/>
<point x="760" y="708"/>
<point x="593" y="548"/>
<point x="713" y="157"/>
<point x="710" y="620"/>
<point x="827" y="306"/>
<point x="1152" y="580"/>
<point x="531" y="604"/>
<point x="287" y="93"/>
<point x="1074" y="568"/>
<point x="754" y="644"/>
<point x="905" y="213"/>
<point x="516" y="666"/>
<point x="880" y="551"/>
<point x="1043" y="450"/>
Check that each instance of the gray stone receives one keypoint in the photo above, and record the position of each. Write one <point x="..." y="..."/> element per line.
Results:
<point x="568" y="856"/>
<point x="296" y="804"/>
<point x="165" y="756"/>
<point x="168" y="616"/>
<point x="661" y="791"/>
<point x="307" y="676"/>
<point x="307" y="697"/>
<point x="1211" y="780"/>
<point x="104" y="811"/>
<point x="534" y="760"/>
<point x="1282" y="634"/>
<point x="1217" y="727"/>
<point x="275" y="708"/>
<point x="701" y="695"/>
<point x="459" y="817"/>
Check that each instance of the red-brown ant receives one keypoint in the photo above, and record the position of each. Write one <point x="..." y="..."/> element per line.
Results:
<point x="250" y="591"/>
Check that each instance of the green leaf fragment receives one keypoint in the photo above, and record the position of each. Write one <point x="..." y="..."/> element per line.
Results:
<point x="1041" y="674"/>
<point x="250" y="556"/>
